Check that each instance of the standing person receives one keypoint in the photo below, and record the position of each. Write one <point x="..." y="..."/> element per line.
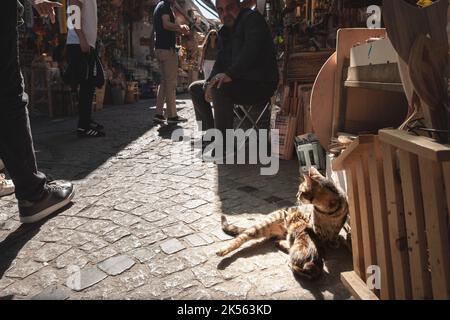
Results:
<point x="165" y="29"/>
<point x="82" y="58"/>
<point x="209" y="53"/>
<point x="37" y="197"/>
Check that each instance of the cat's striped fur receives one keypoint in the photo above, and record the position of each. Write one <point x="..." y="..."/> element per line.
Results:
<point x="302" y="230"/>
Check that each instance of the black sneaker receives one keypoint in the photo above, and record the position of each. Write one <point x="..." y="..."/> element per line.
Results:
<point x="90" y="133"/>
<point x="159" y="119"/>
<point x="176" y="119"/>
<point x="57" y="195"/>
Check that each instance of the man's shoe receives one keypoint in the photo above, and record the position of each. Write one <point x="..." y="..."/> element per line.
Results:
<point x="89" y="133"/>
<point x="57" y="195"/>
<point x="176" y="119"/>
<point x="159" y="119"/>
<point x="6" y="186"/>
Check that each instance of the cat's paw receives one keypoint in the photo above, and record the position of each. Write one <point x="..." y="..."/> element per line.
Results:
<point x="222" y="252"/>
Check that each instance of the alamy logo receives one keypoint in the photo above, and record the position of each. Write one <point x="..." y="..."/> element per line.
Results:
<point x="237" y="147"/>
<point x="73" y="17"/>
<point x="373" y="277"/>
<point x="374" y="20"/>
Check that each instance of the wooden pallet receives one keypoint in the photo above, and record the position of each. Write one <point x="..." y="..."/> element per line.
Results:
<point x="399" y="195"/>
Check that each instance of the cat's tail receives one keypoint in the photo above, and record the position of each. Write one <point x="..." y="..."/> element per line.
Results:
<point x="230" y="229"/>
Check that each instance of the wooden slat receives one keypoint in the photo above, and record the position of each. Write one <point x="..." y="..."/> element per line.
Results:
<point x="380" y="219"/>
<point x="436" y="227"/>
<point x="365" y="205"/>
<point x="422" y="146"/>
<point x="446" y="171"/>
<point x="356" y="286"/>
<point x="415" y="226"/>
<point x="355" y="223"/>
<point x="395" y="87"/>
<point x="352" y="150"/>
<point x="396" y="220"/>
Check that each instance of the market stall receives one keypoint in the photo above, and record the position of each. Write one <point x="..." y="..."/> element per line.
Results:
<point x="125" y="32"/>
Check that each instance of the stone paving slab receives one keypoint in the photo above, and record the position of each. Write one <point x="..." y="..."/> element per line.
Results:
<point x="145" y="222"/>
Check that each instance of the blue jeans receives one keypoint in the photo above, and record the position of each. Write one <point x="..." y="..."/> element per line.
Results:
<point x="16" y="142"/>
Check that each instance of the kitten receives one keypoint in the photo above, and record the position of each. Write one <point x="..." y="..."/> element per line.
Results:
<point x="301" y="231"/>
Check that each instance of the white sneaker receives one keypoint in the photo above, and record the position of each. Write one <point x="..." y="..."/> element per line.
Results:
<point x="6" y="186"/>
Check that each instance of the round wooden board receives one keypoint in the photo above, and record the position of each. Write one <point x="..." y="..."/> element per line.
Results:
<point x="322" y="99"/>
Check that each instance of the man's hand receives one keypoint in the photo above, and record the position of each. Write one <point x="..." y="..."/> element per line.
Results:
<point x="184" y="29"/>
<point x="46" y="8"/>
<point x="208" y="93"/>
<point x="220" y="79"/>
<point x="85" y="47"/>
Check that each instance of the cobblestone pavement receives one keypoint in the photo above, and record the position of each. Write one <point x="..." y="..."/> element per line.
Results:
<point x="145" y="224"/>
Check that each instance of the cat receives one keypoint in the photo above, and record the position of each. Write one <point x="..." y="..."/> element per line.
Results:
<point x="301" y="231"/>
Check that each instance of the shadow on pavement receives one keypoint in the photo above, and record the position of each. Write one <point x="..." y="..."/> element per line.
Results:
<point x="63" y="155"/>
<point x="15" y="241"/>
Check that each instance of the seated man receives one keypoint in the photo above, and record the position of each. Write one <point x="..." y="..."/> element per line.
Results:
<point x="245" y="71"/>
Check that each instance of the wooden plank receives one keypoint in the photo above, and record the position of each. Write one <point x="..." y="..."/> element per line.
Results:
<point x="415" y="226"/>
<point x="322" y="102"/>
<point x="355" y="223"/>
<point x="380" y="219"/>
<point x="446" y="171"/>
<point x="396" y="221"/>
<point x="436" y="227"/>
<point x="352" y="150"/>
<point x="421" y="146"/>
<point x="356" y="286"/>
<point x="366" y="109"/>
<point x="365" y="205"/>
<point x="384" y="86"/>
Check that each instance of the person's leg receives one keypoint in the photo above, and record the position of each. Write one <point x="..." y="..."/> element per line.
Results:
<point x="171" y="72"/>
<point x="37" y="198"/>
<point x="223" y="107"/>
<point x="203" y="109"/>
<point x="16" y="144"/>
<point x="87" y="90"/>
<point x="78" y="61"/>
<point x="161" y="96"/>
<point x="237" y="92"/>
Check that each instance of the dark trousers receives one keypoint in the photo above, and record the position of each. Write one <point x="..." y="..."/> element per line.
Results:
<point x="78" y="62"/>
<point x="16" y="143"/>
<point x="236" y="92"/>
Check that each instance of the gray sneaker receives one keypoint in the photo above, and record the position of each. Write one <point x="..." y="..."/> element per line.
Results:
<point x="57" y="195"/>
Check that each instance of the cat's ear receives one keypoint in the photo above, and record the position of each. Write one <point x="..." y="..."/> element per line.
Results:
<point x="308" y="181"/>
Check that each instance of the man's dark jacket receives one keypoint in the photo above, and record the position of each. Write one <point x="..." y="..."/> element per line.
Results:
<point x="247" y="52"/>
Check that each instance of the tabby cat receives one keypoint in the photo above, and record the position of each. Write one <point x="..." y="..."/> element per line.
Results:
<point x="301" y="231"/>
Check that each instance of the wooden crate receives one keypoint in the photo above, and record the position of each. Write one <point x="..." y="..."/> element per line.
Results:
<point x="303" y="67"/>
<point x="399" y="195"/>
